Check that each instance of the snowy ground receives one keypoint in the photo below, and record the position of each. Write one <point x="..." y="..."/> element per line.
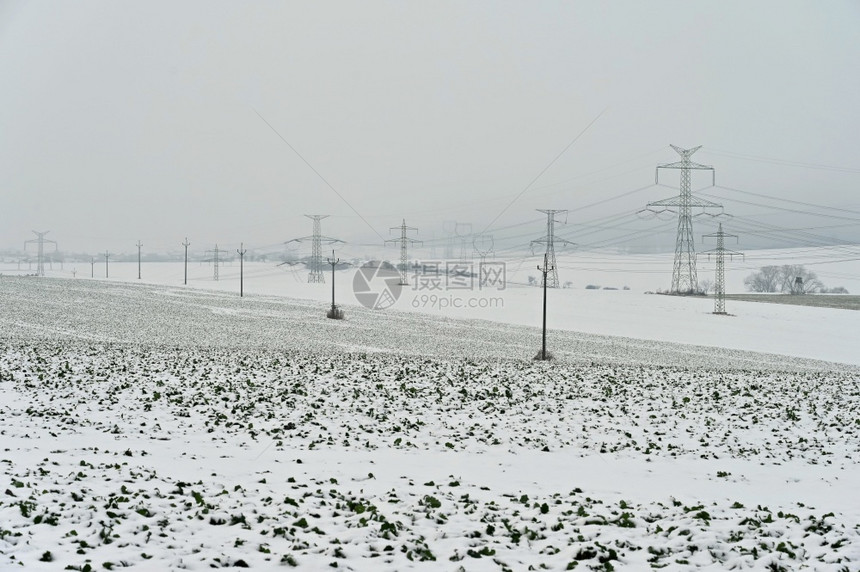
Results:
<point x="169" y="427"/>
<point x="812" y="333"/>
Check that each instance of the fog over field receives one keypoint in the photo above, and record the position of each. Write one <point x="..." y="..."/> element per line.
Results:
<point x="428" y="286"/>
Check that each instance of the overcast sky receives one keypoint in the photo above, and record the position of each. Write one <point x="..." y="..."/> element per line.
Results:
<point x="124" y="121"/>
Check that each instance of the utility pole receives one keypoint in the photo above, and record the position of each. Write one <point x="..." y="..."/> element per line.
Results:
<point x="107" y="255"/>
<point x="40" y="241"/>
<point x="403" y="240"/>
<point x="215" y="253"/>
<point x="241" y="252"/>
<point x="550" y="239"/>
<point x="334" y="313"/>
<point x="316" y="275"/>
<point x="720" y="252"/>
<point x="139" y="244"/>
<point x="185" y="244"/>
<point x="684" y="280"/>
<point x="92" y="267"/>
<point x="546" y="268"/>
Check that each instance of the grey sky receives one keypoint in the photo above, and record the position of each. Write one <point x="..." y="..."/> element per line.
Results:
<point x="122" y="121"/>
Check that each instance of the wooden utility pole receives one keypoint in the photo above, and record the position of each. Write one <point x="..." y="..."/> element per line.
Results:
<point x="241" y="252"/>
<point x="139" y="244"/>
<point x="185" y="244"/>
<point x="546" y="269"/>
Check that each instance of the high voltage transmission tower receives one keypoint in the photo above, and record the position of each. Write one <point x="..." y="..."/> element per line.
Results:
<point x="684" y="279"/>
<point x="449" y="227"/>
<point x="40" y="241"/>
<point x="215" y="252"/>
<point x="549" y="240"/>
<point x="316" y="274"/>
<point x="464" y="233"/>
<point x="107" y="256"/>
<point x="720" y="252"/>
<point x="483" y="245"/>
<point x="403" y="240"/>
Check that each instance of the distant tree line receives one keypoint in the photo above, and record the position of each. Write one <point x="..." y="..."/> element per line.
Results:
<point x="788" y="279"/>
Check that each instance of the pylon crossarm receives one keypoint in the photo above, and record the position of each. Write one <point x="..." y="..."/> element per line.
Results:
<point x="704" y="203"/>
<point x="670" y="202"/>
<point x="685" y="152"/>
<point x="686" y="165"/>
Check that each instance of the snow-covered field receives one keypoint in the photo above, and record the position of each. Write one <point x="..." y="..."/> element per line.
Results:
<point x="168" y="427"/>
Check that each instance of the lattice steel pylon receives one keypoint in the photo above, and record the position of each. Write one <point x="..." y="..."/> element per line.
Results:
<point x="464" y="232"/>
<point x="551" y="277"/>
<point x="316" y="275"/>
<point x="684" y="280"/>
<point x="40" y="241"/>
<point x="404" y="240"/>
<point x="484" y="246"/>
<point x="720" y="252"/>
<point x="215" y="252"/>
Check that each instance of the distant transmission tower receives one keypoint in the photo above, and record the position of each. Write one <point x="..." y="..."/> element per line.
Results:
<point x="450" y="229"/>
<point x="684" y="279"/>
<point x="215" y="252"/>
<point x="316" y="275"/>
<point x="403" y="240"/>
<point x="107" y="256"/>
<point x="483" y="245"/>
<point x="40" y="241"/>
<point x="551" y="275"/>
<point x="720" y="252"/>
<point x="463" y="231"/>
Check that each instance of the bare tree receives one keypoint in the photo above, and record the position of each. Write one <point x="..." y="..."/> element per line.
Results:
<point x="795" y="279"/>
<point x="788" y="278"/>
<point x="767" y="279"/>
<point x="706" y="285"/>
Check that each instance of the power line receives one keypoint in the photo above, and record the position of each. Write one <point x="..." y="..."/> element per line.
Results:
<point x="544" y="170"/>
<point x="784" y="200"/>
<point x="784" y="162"/>
<point x="317" y="173"/>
